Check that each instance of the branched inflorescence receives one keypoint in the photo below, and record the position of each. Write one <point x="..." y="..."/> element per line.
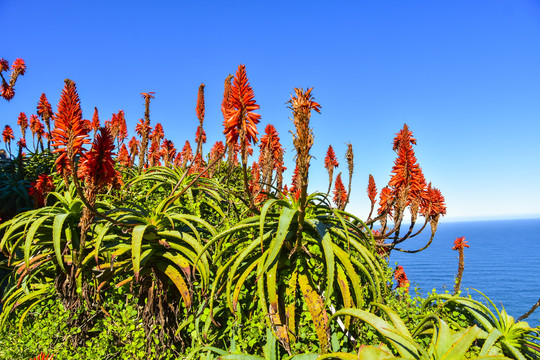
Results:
<point x="18" y="68"/>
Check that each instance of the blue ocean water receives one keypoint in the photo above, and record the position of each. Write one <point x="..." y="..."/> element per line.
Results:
<point x="502" y="261"/>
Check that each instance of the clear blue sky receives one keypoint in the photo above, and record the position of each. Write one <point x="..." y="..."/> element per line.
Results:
<point x="464" y="75"/>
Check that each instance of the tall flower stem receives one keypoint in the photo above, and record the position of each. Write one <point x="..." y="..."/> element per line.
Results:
<point x="146" y="124"/>
<point x="459" y="245"/>
<point x="301" y="105"/>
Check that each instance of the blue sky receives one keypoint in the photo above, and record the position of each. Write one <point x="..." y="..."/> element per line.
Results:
<point x="464" y="75"/>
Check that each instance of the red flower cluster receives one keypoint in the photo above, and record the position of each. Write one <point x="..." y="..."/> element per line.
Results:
<point x="7" y="91"/>
<point x="217" y="150"/>
<point x="40" y="188"/>
<point x="271" y="155"/>
<point x="340" y="194"/>
<point x="19" y="66"/>
<point x="123" y="156"/>
<point x="200" y="104"/>
<point x="401" y="278"/>
<point x="187" y="153"/>
<point x="433" y="204"/>
<point x="117" y="125"/>
<point x="44" y="108"/>
<point x="372" y="190"/>
<point x="330" y="161"/>
<point x="69" y="134"/>
<point x="95" y="121"/>
<point x="22" y="121"/>
<point x="408" y="176"/>
<point x="36" y="127"/>
<point x="158" y="134"/>
<point x="386" y="199"/>
<point x="239" y="115"/>
<point x="168" y="151"/>
<point x="295" y="186"/>
<point x="460" y="244"/>
<point x="4" y="65"/>
<point x="200" y="135"/>
<point x="133" y="146"/>
<point x="143" y="128"/>
<point x="97" y="165"/>
<point x="7" y="134"/>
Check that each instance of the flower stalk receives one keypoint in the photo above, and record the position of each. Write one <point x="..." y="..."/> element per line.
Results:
<point x="459" y="245"/>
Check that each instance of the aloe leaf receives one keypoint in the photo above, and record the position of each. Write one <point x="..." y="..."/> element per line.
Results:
<point x="317" y="310"/>
<point x="136" y="242"/>
<point x="30" y="238"/>
<point x="285" y="220"/>
<point x="58" y="224"/>
<point x="351" y="273"/>
<point x="493" y="336"/>
<point x="403" y="343"/>
<point x="99" y="239"/>
<point x="241" y="280"/>
<point x="239" y="259"/>
<point x="460" y="347"/>
<point x="178" y="280"/>
<point x="279" y="329"/>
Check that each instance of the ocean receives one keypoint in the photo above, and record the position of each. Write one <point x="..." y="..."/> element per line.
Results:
<point x="503" y="262"/>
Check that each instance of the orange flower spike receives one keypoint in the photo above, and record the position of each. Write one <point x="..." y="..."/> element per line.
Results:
<point x="330" y="161"/>
<point x="187" y="153"/>
<point x="7" y="134"/>
<point x="200" y="104"/>
<point x="4" y="65"/>
<point x="95" y="120"/>
<point x="460" y="244"/>
<point x="372" y="189"/>
<point x="143" y="128"/>
<point x="157" y="134"/>
<point x="386" y="198"/>
<point x="217" y="150"/>
<point x="22" y="121"/>
<point x="404" y="135"/>
<point x="168" y="151"/>
<point x="295" y="186"/>
<point x="19" y="66"/>
<point x="6" y="91"/>
<point x="97" y="165"/>
<point x="401" y="278"/>
<point x="225" y="102"/>
<point x="35" y="124"/>
<point x="121" y="125"/>
<point x="200" y="135"/>
<point x="44" y="109"/>
<point x="40" y="188"/>
<point x="147" y="96"/>
<point x="69" y="134"/>
<point x="134" y="146"/>
<point x="123" y="156"/>
<point x="239" y="114"/>
<point x="340" y="194"/>
<point x="433" y="205"/>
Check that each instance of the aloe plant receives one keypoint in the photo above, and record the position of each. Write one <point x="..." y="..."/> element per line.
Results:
<point x="513" y="339"/>
<point x="334" y="255"/>
<point x="444" y="344"/>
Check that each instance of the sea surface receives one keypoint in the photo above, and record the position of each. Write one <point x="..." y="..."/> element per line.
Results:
<point x="503" y="262"/>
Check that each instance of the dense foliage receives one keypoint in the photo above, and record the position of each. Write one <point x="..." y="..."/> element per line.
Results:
<point x="142" y="251"/>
